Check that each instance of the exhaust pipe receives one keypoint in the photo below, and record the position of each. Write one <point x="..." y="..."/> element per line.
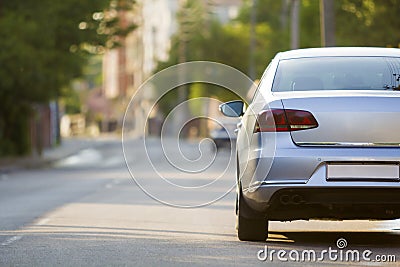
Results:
<point x="291" y="199"/>
<point x="297" y="199"/>
<point x="284" y="199"/>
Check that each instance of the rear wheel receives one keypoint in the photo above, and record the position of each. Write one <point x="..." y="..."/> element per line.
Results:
<point x="250" y="225"/>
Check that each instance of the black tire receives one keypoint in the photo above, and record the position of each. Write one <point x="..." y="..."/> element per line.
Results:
<point x="250" y="228"/>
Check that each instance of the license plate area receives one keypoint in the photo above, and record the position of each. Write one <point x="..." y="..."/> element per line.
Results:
<point x="363" y="172"/>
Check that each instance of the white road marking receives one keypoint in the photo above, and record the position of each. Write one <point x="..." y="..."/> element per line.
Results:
<point x="11" y="240"/>
<point x="43" y="221"/>
<point x="112" y="183"/>
<point x="114" y="161"/>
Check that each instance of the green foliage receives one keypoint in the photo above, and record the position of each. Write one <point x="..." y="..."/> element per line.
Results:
<point x="216" y="46"/>
<point x="198" y="90"/>
<point x="43" y="47"/>
<point x="358" y="23"/>
<point x="267" y="11"/>
<point x="72" y="102"/>
<point x="209" y="40"/>
<point x="271" y="15"/>
<point x="310" y="35"/>
<point x="368" y="23"/>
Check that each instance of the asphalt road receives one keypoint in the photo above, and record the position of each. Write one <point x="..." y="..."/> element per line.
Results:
<point x="166" y="209"/>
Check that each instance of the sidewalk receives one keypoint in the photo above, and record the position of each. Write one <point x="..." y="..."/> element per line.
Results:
<point x="68" y="147"/>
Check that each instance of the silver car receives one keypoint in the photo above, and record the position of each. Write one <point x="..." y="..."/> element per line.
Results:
<point x="320" y="139"/>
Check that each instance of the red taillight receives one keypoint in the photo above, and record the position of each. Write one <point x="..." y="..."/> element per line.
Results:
<point x="284" y="120"/>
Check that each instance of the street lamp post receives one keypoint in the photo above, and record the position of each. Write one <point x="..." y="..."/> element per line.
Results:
<point x="327" y="16"/>
<point x="253" y="20"/>
<point x="295" y="25"/>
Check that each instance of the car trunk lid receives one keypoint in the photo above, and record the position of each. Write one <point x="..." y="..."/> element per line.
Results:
<point x="370" y="120"/>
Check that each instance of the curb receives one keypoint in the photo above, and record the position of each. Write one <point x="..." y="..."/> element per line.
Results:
<point x="8" y="165"/>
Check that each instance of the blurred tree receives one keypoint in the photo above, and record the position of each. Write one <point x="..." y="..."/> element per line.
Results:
<point x="206" y="39"/>
<point x="72" y="102"/>
<point x="44" y="46"/>
<point x="274" y="16"/>
<point x="310" y="24"/>
<point x="368" y="23"/>
<point x="223" y="44"/>
<point x="358" y="23"/>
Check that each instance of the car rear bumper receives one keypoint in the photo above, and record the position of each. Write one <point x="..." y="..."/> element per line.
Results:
<point x="333" y="203"/>
<point x="294" y="185"/>
<point x="320" y="198"/>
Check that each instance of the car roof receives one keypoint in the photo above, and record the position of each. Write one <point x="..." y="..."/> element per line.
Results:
<point x="338" y="51"/>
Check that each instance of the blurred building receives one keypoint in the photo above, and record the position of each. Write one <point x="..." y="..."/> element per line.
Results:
<point x="127" y="67"/>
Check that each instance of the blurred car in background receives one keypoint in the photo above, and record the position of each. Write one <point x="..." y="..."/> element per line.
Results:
<point x="223" y="132"/>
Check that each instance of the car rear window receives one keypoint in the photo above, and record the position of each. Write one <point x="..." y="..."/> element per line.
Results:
<point x="338" y="73"/>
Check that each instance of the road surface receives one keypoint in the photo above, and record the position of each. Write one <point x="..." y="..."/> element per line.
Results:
<point x="166" y="209"/>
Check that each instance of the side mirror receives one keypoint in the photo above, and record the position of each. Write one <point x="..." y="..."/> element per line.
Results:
<point x="232" y="108"/>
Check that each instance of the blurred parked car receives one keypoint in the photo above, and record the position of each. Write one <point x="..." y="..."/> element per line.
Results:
<point x="320" y="140"/>
<point x="223" y="134"/>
